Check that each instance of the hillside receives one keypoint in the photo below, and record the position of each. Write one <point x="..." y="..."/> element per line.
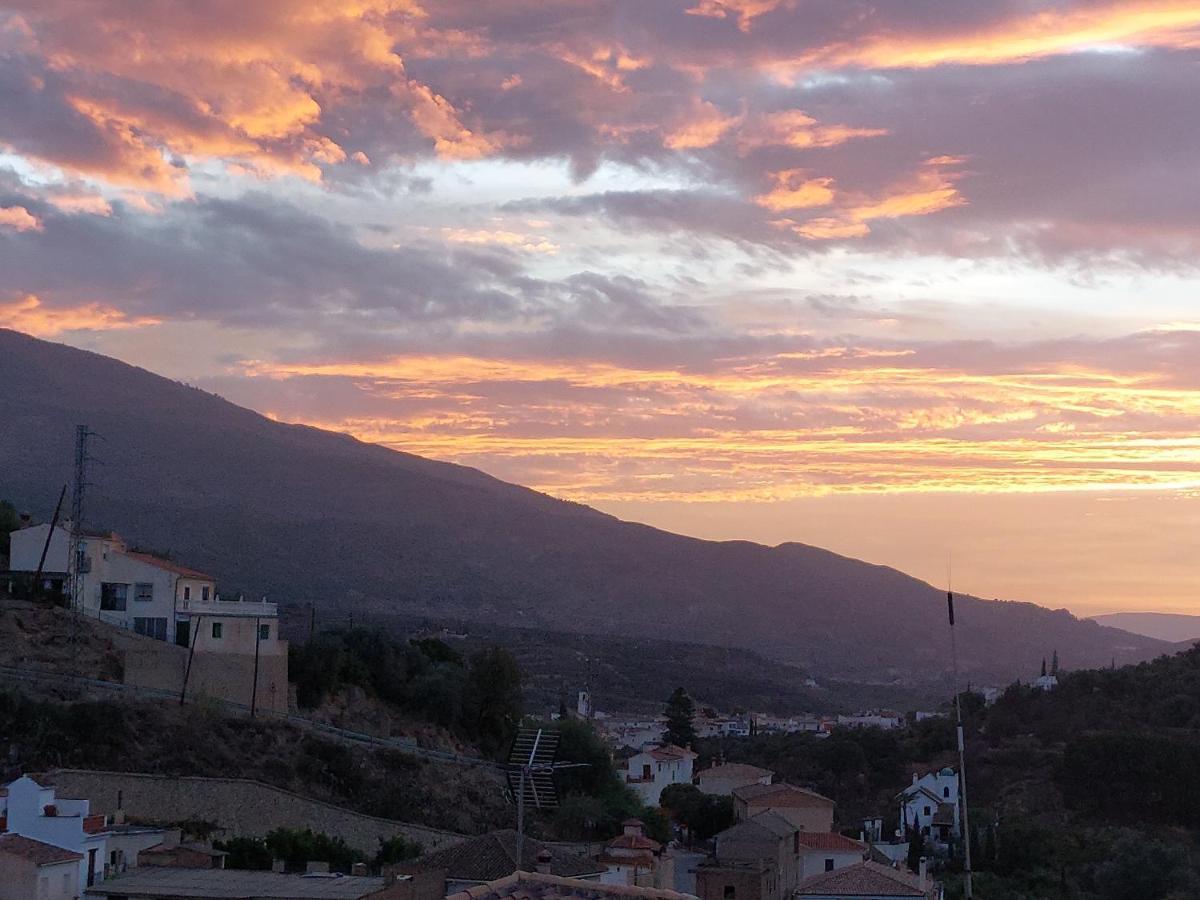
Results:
<point x="1172" y="627"/>
<point x="310" y="516"/>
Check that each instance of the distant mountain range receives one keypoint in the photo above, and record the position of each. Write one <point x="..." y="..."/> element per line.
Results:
<point x="307" y="515"/>
<point x="1172" y="627"/>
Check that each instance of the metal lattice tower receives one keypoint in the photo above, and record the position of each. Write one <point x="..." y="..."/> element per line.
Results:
<point x="78" y="489"/>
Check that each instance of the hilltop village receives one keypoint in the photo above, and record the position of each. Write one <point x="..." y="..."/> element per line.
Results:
<point x="370" y="764"/>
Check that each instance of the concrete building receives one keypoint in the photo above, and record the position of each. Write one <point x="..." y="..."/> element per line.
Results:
<point x="734" y="880"/>
<point x="126" y="845"/>
<point x="34" y="811"/>
<point x="33" y="869"/>
<point x="883" y="718"/>
<point x="723" y="779"/>
<point x="807" y="810"/>
<point x="766" y="843"/>
<point x="930" y="804"/>
<point x="648" y="772"/>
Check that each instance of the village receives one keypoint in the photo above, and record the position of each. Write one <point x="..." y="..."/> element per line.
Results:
<point x="68" y="835"/>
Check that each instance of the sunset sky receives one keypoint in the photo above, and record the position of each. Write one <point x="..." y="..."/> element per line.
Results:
<point x="913" y="280"/>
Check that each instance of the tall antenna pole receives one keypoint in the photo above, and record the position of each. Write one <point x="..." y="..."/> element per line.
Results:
<point x="77" y="491"/>
<point x="962" y="754"/>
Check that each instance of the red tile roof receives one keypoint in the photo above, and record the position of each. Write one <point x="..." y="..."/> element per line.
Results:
<point x="152" y="560"/>
<point x="830" y="840"/>
<point x="536" y="886"/>
<point x="865" y="879"/>
<point x="671" y="752"/>
<point x="634" y="842"/>
<point x="780" y="795"/>
<point x="37" y="852"/>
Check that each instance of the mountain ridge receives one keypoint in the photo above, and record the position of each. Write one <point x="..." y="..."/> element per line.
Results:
<point x="308" y="515"/>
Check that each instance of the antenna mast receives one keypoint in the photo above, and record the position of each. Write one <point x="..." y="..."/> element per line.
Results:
<point x="962" y="754"/>
<point x="78" y="488"/>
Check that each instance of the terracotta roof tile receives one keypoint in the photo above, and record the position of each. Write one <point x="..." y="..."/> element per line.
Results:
<point x="37" y="852"/>
<point x="536" y="886"/>
<point x="151" y="560"/>
<point x="780" y="794"/>
<point x="865" y="879"/>
<point x="494" y="855"/>
<point x="830" y="840"/>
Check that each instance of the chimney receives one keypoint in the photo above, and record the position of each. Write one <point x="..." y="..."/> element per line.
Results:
<point x="543" y="861"/>
<point x="914" y="777"/>
<point x="316" y="867"/>
<point x="359" y="868"/>
<point x="922" y="874"/>
<point x="277" y="866"/>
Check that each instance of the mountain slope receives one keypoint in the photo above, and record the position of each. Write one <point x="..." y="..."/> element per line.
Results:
<point x="1173" y="627"/>
<point x="308" y="515"/>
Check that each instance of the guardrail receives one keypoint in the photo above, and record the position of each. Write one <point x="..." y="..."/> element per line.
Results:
<point x="29" y="675"/>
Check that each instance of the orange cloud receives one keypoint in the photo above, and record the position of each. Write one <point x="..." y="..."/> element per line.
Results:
<point x="1146" y="23"/>
<point x="835" y="420"/>
<point x="704" y="129"/>
<point x="928" y="191"/>
<point x="745" y="11"/>
<point x="27" y="314"/>
<point x="795" y="128"/>
<point x="18" y="218"/>
<point x="793" y="189"/>
<point x="530" y="243"/>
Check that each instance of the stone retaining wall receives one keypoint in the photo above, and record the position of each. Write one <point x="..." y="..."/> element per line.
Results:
<point x="237" y="806"/>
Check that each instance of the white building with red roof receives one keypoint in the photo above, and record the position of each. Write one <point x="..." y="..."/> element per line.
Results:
<point x="633" y="858"/>
<point x="828" y="851"/>
<point x="656" y="767"/>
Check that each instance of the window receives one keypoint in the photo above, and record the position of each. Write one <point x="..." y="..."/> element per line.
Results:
<point x="945" y="792"/>
<point x="646" y="772"/>
<point x="828" y="865"/>
<point x="927" y="810"/>
<point x="112" y="596"/>
<point x="264" y="632"/>
<point x="143" y="592"/>
<point x="730" y="892"/>
<point x="150" y="627"/>
<point x="216" y="631"/>
<point x="187" y="593"/>
<point x="204" y="594"/>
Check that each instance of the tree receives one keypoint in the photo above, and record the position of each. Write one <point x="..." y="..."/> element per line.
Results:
<point x="1043" y="667"/>
<point x="492" y="699"/>
<point x="396" y="849"/>
<point x="916" y="845"/>
<point x="1054" y="663"/>
<point x="9" y="521"/>
<point x="680" y="712"/>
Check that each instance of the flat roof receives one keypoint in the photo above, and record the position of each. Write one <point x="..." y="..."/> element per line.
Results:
<point x="235" y="883"/>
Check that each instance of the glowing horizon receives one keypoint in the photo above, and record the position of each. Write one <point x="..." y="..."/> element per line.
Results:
<point x="733" y="267"/>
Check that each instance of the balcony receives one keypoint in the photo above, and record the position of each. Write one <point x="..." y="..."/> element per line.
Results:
<point x="247" y="608"/>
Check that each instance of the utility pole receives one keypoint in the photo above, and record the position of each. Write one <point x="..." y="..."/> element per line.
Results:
<point x="254" y="687"/>
<point x="962" y="756"/>
<point x="37" y="578"/>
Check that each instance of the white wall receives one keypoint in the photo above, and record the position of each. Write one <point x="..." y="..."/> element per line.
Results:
<point x="25" y="549"/>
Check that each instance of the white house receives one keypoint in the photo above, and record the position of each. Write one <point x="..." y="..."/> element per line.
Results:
<point x="827" y="851"/>
<point x="150" y="595"/>
<point x="33" y="811"/>
<point x="656" y="767"/>
<point x="931" y="804"/>
<point x="635" y="859"/>
<point x="884" y="718"/>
